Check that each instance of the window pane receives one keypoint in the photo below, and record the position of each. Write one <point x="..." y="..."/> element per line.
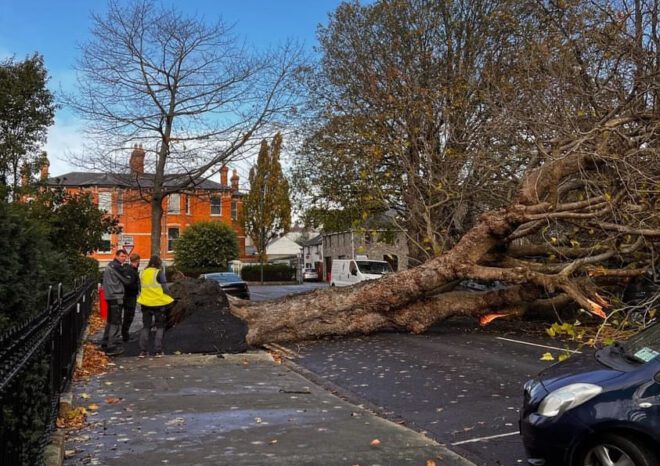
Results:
<point x="188" y="204"/>
<point x="216" y="206"/>
<point x="174" y="204"/>
<point x="172" y="235"/>
<point x="234" y="210"/>
<point x="120" y="203"/>
<point x="106" y="241"/>
<point x="105" y="202"/>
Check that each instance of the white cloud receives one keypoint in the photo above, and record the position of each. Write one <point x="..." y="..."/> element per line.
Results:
<point x="65" y="138"/>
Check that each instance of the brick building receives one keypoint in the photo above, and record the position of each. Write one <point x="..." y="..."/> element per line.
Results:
<point x="121" y="195"/>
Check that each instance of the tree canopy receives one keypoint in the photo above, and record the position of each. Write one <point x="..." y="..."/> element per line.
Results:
<point x="205" y="247"/>
<point x="27" y="109"/>
<point x="267" y="207"/>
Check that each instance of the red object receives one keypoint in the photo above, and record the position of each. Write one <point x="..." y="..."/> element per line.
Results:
<point x="103" y="304"/>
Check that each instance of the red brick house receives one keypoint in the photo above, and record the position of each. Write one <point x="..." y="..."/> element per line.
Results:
<point x="120" y="195"/>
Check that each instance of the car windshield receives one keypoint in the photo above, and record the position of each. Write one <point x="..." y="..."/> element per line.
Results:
<point x="374" y="267"/>
<point x="644" y="346"/>
<point x="227" y="277"/>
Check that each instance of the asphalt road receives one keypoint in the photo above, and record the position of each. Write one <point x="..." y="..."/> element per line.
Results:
<point x="458" y="383"/>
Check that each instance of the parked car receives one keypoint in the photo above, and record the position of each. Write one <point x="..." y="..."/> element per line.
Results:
<point x="310" y="275"/>
<point x="231" y="283"/>
<point x="597" y="408"/>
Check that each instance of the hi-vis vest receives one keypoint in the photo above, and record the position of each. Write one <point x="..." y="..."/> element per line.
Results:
<point x="151" y="293"/>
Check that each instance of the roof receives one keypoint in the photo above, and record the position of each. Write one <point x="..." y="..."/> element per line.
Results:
<point x="318" y="239"/>
<point x="282" y="247"/>
<point x="124" y="180"/>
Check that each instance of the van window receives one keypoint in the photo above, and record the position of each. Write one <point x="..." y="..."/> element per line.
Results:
<point x="374" y="267"/>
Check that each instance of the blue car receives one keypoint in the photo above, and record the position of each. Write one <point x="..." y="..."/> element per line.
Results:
<point x="595" y="409"/>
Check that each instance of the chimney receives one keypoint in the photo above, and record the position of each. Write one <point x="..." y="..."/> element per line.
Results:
<point x="25" y="175"/>
<point x="45" y="165"/>
<point x="136" y="162"/>
<point x="234" y="180"/>
<point x="223" y="175"/>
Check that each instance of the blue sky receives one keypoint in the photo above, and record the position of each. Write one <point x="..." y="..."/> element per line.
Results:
<point x="55" y="28"/>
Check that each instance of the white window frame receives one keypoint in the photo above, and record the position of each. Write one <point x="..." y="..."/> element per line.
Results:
<point x="188" y="210"/>
<point x="120" y="203"/>
<point x="174" y="204"/>
<point x="105" y="201"/>
<point x="234" y="209"/>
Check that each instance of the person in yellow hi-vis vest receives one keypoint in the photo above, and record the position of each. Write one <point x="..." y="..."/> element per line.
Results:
<point x="154" y="301"/>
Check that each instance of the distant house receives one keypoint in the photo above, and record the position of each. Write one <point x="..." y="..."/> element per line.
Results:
<point x="387" y="245"/>
<point x="282" y="249"/>
<point x="120" y="195"/>
<point x="312" y="251"/>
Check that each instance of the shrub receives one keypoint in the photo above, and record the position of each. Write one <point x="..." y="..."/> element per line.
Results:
<point x="205" y="246"/>
<point x="272" y="273"/>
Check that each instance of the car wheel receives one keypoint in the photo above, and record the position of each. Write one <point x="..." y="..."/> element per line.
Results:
<point x="616" y="450"/>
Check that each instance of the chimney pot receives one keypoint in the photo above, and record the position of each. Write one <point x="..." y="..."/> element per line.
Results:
<point x="234" y="180"/>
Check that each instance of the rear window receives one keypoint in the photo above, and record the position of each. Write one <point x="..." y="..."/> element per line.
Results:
<point x="644" y="346"/>
<point x="224" y="277"/>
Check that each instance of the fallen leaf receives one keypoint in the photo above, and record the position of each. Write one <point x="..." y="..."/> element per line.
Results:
<point x="488" y="318"/>
<point x="85" y="396"/>
<point x="112" y="400"/>
<point x="375" y="442"/>
<point x="93" y="407"/>
<point x="430" y="463"/>
<point x="547" y="357"/>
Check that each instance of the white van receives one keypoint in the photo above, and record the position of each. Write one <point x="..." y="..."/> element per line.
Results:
<point x="347" y="272"/>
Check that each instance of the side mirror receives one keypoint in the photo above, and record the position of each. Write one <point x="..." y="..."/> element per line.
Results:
<point x="354" y="272"/>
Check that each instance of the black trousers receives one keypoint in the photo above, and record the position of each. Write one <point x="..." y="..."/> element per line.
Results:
<point x="130" y="302"/>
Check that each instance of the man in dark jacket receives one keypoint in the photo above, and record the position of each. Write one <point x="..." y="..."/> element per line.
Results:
<point x="131" y="292"/>
<point x="114" y="281"/>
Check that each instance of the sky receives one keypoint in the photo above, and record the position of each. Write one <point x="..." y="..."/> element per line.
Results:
<point x="55" y="28"/>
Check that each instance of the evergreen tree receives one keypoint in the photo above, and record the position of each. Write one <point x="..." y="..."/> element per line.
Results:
<point x="267" y="208"/>
<point x="27" y="110"/>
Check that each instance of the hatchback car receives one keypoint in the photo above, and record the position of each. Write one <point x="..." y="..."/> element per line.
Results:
<point x="310" y="275"/>
<point x="601" y="408"/>
<point x="230" y="283"/>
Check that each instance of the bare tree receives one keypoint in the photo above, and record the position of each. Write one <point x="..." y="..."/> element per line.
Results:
<point x="189" y="92"/>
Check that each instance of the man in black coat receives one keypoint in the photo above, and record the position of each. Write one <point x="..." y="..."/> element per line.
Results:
<point x="131" y="292"/>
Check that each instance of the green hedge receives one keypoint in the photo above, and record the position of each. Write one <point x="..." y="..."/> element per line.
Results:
<point x="272" y="273"/>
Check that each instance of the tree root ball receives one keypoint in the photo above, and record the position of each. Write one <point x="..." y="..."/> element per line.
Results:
<point x="199" y="321"/>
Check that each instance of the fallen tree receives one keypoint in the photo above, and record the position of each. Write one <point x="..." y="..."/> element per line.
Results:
<point x="561" y="242"/>
<point x="572" y="122"/>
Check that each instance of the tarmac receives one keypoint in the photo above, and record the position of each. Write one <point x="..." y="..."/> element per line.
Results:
<point x="239" y="409"/>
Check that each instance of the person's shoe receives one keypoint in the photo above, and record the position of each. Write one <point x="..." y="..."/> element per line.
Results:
<point x="143" y="354"/>
<point x="158" y="354"/>
<point x="114" y="351"/>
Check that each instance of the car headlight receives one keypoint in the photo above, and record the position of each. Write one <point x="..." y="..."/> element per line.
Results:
<point x="568" y="397"/>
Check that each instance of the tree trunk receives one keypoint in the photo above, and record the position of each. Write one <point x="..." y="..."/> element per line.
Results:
<point x="156" y="225"/>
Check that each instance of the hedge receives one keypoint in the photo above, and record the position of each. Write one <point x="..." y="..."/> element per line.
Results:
<point x="272" y="273"/>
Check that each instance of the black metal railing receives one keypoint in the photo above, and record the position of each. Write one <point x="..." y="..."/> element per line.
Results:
<point x="37" y="359"/>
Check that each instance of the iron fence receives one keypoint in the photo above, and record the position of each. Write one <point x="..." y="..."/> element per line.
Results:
<point x="37" y="359"/>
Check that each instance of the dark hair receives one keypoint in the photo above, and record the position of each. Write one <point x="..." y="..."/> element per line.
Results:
<point x="121" y="251"/>
<point x="134" y="257"/>
<point x="155" y="262"/>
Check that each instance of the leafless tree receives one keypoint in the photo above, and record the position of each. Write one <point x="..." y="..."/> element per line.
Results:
<point x="191" y="93"/>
